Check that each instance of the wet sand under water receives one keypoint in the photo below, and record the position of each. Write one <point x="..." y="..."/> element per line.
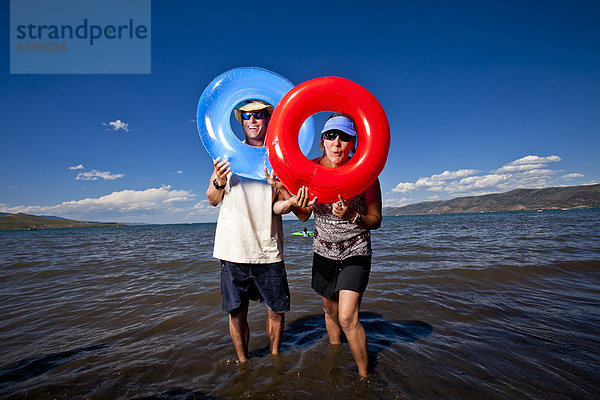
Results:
<point x="500" y="306"/>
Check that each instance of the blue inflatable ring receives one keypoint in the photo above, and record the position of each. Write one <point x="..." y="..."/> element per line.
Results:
<point x="214" y="113"/>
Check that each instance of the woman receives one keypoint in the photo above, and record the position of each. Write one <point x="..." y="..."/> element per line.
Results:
<point x="342" y="242"/>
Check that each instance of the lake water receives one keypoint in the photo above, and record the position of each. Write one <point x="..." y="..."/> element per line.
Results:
<point x="473" y="306"/>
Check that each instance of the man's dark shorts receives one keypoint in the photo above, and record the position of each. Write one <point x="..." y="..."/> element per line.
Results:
<point x="266" y="283"/>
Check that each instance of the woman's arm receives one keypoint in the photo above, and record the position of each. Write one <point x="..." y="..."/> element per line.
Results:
<point x="286" y="202"/>
<point x="299" y="205"/>
<point x="372" y="217"/>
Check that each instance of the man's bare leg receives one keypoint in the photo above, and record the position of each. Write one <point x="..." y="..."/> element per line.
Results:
<point x="275" y="325"/>
<point x="239" y="331"/>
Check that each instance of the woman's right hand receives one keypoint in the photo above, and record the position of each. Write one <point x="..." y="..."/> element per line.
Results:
<point x="302" y="199"/>
<point x="299" y="205"/>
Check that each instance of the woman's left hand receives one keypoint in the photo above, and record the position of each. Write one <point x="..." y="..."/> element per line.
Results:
<point x="340" y="209"/>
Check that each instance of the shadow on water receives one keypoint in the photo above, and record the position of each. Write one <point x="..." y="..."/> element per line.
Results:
<point x="32" y="367"/>
<point x="308" y="330"/>
<point x="381" y="333"/>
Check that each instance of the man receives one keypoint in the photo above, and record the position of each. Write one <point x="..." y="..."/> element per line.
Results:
<point x="249" y="240"/>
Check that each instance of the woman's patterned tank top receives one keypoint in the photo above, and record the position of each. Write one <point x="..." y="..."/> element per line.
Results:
<point x="338" y="239"/>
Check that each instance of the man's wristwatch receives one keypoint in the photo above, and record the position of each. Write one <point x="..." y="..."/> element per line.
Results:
<point x="217" y="186"/>
<point x="356" y="218"/>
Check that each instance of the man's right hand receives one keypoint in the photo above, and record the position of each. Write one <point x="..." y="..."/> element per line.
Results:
<point x="221" y="171"/>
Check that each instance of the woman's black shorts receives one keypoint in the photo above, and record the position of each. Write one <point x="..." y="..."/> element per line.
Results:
<point x="331" y="276"/>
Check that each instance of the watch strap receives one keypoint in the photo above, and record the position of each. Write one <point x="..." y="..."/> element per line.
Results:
<point x="217" y="186"/>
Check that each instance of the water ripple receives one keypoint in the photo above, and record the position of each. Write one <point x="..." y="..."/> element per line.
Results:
<point x="497" y="306"/>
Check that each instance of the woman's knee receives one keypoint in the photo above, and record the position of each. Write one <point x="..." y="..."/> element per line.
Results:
<point x="330" y="307"/>
<point x="349" y="306"/>
<point x="348" y="320"/>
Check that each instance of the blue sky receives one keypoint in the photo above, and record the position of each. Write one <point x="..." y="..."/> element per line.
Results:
<point x="481" y="96"/>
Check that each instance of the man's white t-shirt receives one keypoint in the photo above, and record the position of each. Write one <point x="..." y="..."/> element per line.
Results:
<point x="247" y="230"/>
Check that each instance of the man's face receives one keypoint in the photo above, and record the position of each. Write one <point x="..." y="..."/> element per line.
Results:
<point x="255" y="128"/>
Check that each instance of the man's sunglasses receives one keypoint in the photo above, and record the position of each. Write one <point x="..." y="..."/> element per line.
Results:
<point x="257" y="115"/>
<point x="331" y="135"/>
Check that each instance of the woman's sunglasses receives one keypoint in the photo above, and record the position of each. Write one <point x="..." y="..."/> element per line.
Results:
<point x="257" y="115"/>
<point x="331" y="135"/>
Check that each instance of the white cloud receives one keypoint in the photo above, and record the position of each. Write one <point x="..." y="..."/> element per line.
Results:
<point x="396" y="202"/>
<point x="179" y="172"/>
<point x="526" y="172"/>
<point x="461" y="173"/>
<point x="404" y="187"/>
<point x="572" y="176"/>
<point x="435" y="182"/>
<point x="202" y="208"/>
<point x="117" y="125"/>
<point x="93" y="175"/>
<point x="528" y="163"/>
<point x="76" y="167"/>
<point x="476" y="184"/>
<point x="537" y="178"/>
<point x="156" y="199"/>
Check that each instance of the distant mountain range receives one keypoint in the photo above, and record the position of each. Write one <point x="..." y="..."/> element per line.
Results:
<point x="515" y="200"/>
<point x="26" y="221"/>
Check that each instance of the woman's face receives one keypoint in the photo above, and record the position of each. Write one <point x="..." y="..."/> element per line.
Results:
<point x="338" y="151"/>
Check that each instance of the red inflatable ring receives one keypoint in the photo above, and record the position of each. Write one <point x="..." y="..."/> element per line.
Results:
<point x="328" y="94"/>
